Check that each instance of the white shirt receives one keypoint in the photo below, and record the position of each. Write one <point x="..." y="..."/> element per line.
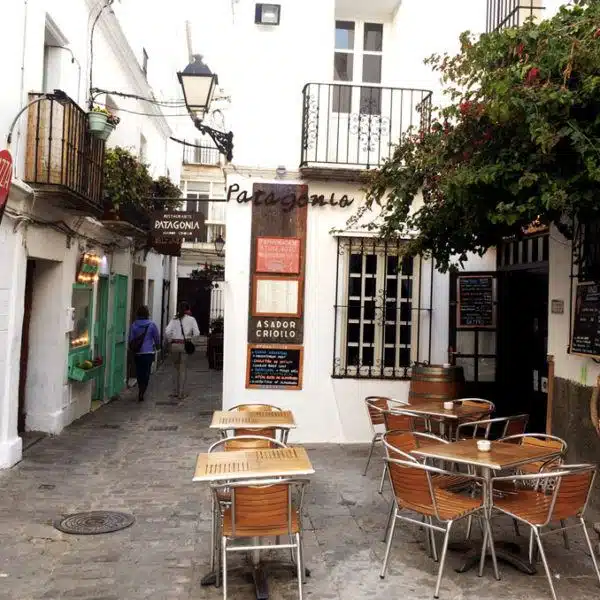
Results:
<point x="190" y="328"/>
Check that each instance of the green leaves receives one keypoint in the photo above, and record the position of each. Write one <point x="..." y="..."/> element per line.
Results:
<point x="520" y="140"/>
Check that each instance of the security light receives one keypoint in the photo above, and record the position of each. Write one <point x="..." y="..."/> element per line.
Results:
<point x="267" y="14"/>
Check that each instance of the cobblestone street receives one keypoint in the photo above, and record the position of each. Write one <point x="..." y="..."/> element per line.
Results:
<point x="139" y="458"/>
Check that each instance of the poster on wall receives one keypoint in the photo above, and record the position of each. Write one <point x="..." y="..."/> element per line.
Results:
<point x="274" y="367"/>
<point x="6" y="171"/>
<point x="276" y="297"/>
<point x="278" y="255"/>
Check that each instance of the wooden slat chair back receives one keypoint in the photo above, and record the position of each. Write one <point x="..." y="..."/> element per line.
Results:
<point x="375" y="406"/>
<point x="572" y="493"/>
<point x="516" y="425"/>
<point x="537" y="440"/>
<point x="492" y="428"/>
<point x="488" y="408"/>
<point x="270" y="433"/>
<point x="397" y="421"/>
<point x="411" y="486"/>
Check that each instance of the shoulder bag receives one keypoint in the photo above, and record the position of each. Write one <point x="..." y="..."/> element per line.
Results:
<point x="188" y="345"/>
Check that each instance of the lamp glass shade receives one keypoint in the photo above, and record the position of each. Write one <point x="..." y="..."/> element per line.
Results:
<point x="198" y="83"/>
<point x="219" y="245"/>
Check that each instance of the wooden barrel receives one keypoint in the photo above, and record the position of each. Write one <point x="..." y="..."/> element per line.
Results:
<point x="435" y="383"/>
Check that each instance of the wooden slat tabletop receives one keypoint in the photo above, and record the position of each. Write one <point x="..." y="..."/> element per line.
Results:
<point x="246" y="464"/>
<point x="223" y="419"/>
<point x="436" y="409"/>
<point x="501" y="456"/>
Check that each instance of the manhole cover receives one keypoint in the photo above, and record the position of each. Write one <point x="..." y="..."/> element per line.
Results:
<point x="94" y="522"/>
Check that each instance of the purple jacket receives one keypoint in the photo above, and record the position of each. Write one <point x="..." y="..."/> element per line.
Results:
<point x="152" y="337"/>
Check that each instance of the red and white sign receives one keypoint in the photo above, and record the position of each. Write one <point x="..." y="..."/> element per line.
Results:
<point x="6" y="169"/>
<point x="278" y="255"/>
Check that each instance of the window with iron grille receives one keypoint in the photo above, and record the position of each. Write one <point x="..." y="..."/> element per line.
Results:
<point x="502" y="14"/>
<point x="373" y="311"/>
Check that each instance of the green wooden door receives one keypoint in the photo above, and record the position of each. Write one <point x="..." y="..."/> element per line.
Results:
<point x="118" y="354"/>
<point x="100" y="331"/>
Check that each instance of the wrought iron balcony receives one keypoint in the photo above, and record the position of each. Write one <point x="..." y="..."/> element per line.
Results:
<point x="201" y="155"/>
<point x="502" y="14"/>
<point x="356" y="126"/>
<point x="63" y="160"/>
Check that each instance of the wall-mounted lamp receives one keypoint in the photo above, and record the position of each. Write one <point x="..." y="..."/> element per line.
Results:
<point x="267" y="14"/>
<point x="220" y="246"/>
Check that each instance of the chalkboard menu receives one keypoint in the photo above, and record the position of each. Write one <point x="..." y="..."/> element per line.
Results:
<point x="274" y="367"/>
<point x="586" y="323"/>
<point x="476" y="301"/>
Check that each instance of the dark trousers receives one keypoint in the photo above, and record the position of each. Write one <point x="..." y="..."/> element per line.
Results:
<point x="143" y="368"/>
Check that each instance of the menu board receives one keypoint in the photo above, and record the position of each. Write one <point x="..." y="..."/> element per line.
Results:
<point x="278" y="255"/>
<point x="586" y="323"/>
<point x="273" y="297"/>
<point x="475" y="306"/>
<point x="274" y="367"/>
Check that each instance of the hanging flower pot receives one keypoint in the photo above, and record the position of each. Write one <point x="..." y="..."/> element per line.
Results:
<point x="105" y="133"/>
<point x="97" y="122"/>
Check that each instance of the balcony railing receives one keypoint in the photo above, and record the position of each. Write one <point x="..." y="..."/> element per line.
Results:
<point x="63" y="159"/>
<point x="357" y="126"/>
<point x="201" y="155"/>
<point x="502" y="14"/>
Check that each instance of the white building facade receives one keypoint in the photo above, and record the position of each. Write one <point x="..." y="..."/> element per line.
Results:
<point x="310" y="118"/>
<point x="53" y="315"/>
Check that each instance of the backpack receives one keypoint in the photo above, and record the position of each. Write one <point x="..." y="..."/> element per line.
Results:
<point x="135" y="345"/>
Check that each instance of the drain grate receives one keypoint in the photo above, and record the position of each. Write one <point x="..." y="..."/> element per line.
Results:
<point x="94" y="522"/>
<point x="46" y="486"/>
<point x="164" y="428"/>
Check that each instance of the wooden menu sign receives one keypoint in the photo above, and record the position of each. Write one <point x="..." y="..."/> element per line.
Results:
<point x="278" y="255"/>
<point x="475" y="308"/>
<point x="277" y="271"/>
<point x="586" y="322"/>
<point x="274" y="367"/>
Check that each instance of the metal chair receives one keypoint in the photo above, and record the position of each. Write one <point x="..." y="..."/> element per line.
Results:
<point x="414" y="490"/>
<point x="375" y="407"/>
<point x="222" y="499"/>
<point x="255" y="408"/>
<point x="541" y="506"/>
<point x="484" y="429"/>
<point x="487" y="406"/>
<point x="264" y="508"/>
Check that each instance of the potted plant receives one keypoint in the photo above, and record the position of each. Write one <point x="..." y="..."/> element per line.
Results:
<point x="111" y="122"/>
<point x="97" y="119"/>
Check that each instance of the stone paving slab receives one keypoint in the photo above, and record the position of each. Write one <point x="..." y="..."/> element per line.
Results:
<point x="139" y="458"/>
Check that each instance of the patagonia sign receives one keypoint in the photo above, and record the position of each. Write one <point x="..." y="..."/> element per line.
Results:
<point x="178" y="225"/>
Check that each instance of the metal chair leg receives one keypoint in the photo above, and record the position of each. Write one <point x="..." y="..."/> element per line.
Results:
<point x="389" y="545"/>
<point x="516" y="527"/>
<point x="469" y="527"/>
<point x="483" y="549"/>
<point x="390" y="517"/>
<point x="436" y="594"/>
<point x="373" y="442"/>
<point x="224" y="559"/>
<point x="431" y="533"/>
<point x="590" y="547"/>
<point x="565" y="534"/>
<point x="300" y="565"/>
<point x="302" y="557"/>
<point x="543" y="557"/>
<point x="385" y="468"/>
<point x="531" y="549"/>
<point x="213" y="534"/>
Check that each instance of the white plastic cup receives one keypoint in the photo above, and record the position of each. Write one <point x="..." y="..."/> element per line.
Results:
<point x="484" y="445"/>
<point x="448" y="405"/>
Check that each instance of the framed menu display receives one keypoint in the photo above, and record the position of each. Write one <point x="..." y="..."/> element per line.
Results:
<point x="274" y="367"/>
<point x="276" y="297"/>
<point x="586" y="320"/>
<point x="278" y="255"/>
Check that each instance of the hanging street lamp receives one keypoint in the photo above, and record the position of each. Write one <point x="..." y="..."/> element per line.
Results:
<point x="199" y="84"/>
<point x="220" y="246"/>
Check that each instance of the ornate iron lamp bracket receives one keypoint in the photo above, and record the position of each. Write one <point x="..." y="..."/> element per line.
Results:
<point x="223" y="141"/>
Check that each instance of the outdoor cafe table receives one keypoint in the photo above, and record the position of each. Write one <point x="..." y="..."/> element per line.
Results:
<point x="436" y="410"/>
<point x="237" y="465"/>
<point x="225" y="420"/>
<point x="502" y="456"/>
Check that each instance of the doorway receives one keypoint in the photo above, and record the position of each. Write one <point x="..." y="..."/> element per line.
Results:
<point x="100" y="346"/>
<point x="24" y="359"/>
<point x="197" y="293"/>
<point x="523" y="345"/>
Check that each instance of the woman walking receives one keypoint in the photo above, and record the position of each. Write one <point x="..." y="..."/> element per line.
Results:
<point x="180" y="334"/>
<point x="144" y="338"/>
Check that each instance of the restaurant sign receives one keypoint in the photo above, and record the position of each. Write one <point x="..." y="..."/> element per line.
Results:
<point x="178" y="224"/>
<point x="275" y="330"/>
<point x="6" y="170"/>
